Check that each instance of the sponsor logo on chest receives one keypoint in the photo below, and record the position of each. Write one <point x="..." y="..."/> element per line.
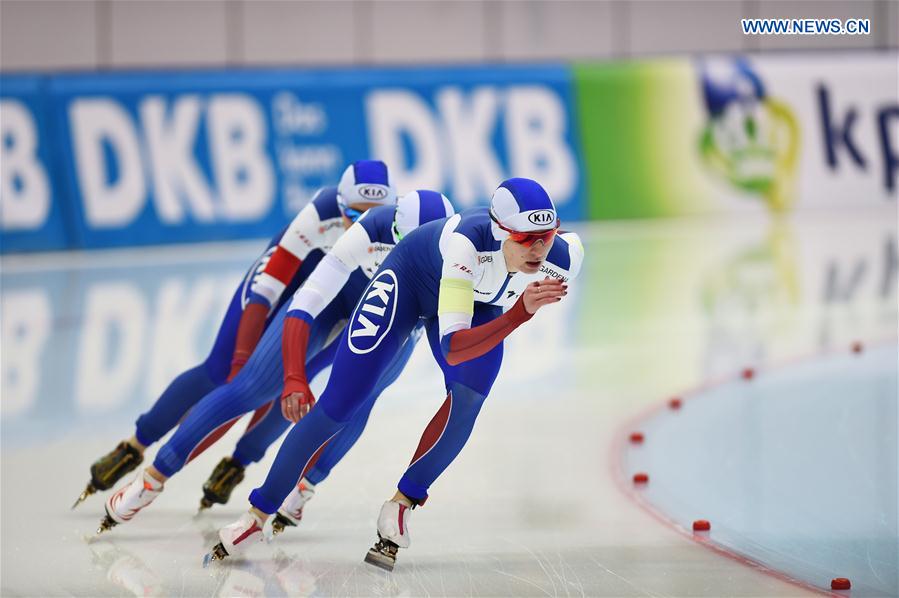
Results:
<point x="374" y="315"/>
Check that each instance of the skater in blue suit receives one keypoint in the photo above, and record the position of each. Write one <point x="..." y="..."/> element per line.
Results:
<point x="340" y="279"/>
<point x="288" y="259"/>
<point x="452" y="274"/>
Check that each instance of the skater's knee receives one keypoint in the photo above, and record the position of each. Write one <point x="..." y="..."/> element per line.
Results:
<point x="217" y="369"/>
<point x="246" y="454"/>
<point x="340" y="409"/>
<point x="466" y="399"/>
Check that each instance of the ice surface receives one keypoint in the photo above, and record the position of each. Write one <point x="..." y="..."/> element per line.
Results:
<point x="529" y="508"/>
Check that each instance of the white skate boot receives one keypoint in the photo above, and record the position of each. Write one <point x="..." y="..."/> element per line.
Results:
<point x="393" y="534"/>
<point x="291" y="512"/>
<point x="125" y="503"/>
<point x="236" y="538"/>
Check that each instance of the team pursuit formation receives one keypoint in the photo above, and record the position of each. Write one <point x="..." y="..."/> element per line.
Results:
<point x="352" y="283"/>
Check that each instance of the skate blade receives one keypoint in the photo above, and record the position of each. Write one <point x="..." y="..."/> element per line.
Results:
<point x="280" y="523"/>
<point x="380" y="560"/>
<point x="218" y="553"/>
<point x="204" y="504"/>
<point x="107" y="524"/>
<point x="87" y="492"/>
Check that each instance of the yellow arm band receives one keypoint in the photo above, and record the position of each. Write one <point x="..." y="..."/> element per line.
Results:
<point x="456" y="296"/>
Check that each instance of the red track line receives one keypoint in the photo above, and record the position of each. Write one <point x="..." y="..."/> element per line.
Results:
<point x="621" y="440"/>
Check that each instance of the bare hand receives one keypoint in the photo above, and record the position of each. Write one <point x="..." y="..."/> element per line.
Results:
<point x="540" y="293"/>
<point x="296" y="401"/>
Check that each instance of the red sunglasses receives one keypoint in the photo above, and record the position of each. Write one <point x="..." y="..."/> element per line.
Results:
<point x="528" y="239"/>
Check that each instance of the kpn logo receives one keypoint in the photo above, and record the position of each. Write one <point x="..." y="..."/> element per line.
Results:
<point x="374" y="314"/>
<point x="750" y="139"/>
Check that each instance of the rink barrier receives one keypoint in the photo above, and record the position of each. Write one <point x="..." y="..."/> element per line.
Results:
<point x="119" y="159"/>
<point x="98" y="160"/>
<point x="700" y="530"/>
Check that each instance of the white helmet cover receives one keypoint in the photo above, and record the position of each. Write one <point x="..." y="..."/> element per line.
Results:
<point x="522" y="205"/>
<point x="420" y="207"/>
<point x="365" y="181"/>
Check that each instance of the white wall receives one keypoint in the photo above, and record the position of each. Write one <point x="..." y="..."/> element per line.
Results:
<point x="79" y="34"/>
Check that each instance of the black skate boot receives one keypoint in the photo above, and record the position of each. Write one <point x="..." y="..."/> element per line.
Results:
<point x="110" y="468"/>
<point x="225" y="477"/>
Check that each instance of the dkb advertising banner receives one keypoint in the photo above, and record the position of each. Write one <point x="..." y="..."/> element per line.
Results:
<point x="33" y="214"/>
<point x="160" y="157"/>
<point x="730" y="134"/>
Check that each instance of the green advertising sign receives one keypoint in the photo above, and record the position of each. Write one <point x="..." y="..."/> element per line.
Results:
<point x="678" y="137"/>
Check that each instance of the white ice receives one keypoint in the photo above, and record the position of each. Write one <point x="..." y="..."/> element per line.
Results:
<point x="530" y="506"/>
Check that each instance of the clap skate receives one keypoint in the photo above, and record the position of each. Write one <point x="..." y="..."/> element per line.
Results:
<point x="224" y="478"/>
<point x="291" y="512"/>
<point x="129" y="499"/>
<point x="110" y="468"/>
<point x="235" y="538"/>
<point x="393" y="534"/>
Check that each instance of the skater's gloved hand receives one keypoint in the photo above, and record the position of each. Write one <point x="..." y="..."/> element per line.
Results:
<point x="540" y="293"/>
<point x="296" y="400"/>
<point x="249" y="331"/>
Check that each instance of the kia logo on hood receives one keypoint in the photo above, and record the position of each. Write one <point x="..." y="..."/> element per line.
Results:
<point x="374" y="192"/>
<point x="541" y="217"/>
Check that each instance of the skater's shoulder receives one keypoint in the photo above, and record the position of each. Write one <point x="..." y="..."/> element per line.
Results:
<point x="475" y="225"/>
<point x="325" y="203"/>
<point x="567" y="253"/>
<point x="378" y="223"/>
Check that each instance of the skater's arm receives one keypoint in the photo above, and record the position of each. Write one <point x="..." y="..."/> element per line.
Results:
<point x="296" y="396"/>
<point x="331" y="274"/>
<point x="249" y="331"/>
<point x="455" y="301"/>
<point x="293" y="247"/>
<point x="462" y="345"/>
<point x="322" y="286"/>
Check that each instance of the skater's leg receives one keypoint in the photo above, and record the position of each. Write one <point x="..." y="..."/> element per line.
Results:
<point x="192" y="385"/>
<point x="337" y="405"/>
<point x="467" y="384"/>
<point x="268" y="423"/>
<point x="291" y="511"/>
<point x="366" y="348"/>
<point x="171" y="406"/>
<point x="257" y="384"/>
<point x="343" y="442"/>
<point x="266" y="369"/>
